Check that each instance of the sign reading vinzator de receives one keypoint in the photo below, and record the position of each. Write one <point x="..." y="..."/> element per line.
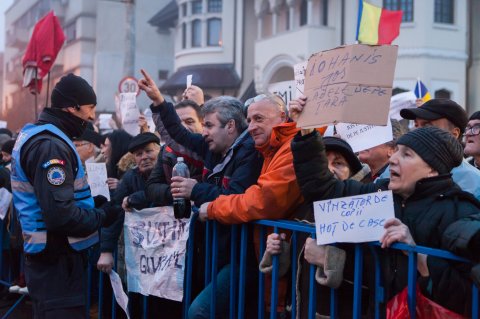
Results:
<point x="349" y="84"/>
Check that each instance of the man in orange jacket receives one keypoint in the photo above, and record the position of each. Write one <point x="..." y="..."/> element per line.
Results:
<point x="276" y="195"/>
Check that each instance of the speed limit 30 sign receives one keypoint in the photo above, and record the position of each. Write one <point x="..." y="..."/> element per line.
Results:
<point x="128" y="85"/>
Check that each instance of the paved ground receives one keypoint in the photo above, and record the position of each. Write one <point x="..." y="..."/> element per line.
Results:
<point x="22" y="311"/>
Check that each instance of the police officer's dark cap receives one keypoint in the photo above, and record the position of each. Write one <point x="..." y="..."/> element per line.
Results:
<point x="435" y="109"/>
<point x="72" y="90"/>
<point x="8" y="146"/>
<point x="142" y="140"/>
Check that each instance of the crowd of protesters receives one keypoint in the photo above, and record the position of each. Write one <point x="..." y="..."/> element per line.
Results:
<point x="248" y="161"/>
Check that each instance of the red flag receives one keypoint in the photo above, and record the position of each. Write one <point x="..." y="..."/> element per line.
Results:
<point x="42" y="50"/>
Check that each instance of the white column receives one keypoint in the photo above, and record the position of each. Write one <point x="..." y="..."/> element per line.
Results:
<point x="274" y="22"/>
<point x="259" y="27"/>
<point x="309" y="12"/>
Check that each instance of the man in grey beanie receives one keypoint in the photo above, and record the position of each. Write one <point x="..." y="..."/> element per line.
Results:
<point x="59" y="217"/>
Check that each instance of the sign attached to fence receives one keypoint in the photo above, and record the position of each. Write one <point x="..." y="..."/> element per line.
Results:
<point x="155" y="247"/>
<point x="349" y="84"/>
<point x="353" y="219"/>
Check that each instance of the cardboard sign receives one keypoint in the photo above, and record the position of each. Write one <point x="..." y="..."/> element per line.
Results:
<point x="362" y="137"/>
<point x="5" y="202"/>
<point x="299" y="70"/>
<point x="97" y="179"/>
<point x="130" y="113"/>
<point x="284" y="90"/>
<point x="349" y="84"/>
<point x="155" y="246"/>
<point x="354" y="219"/>
<point x="405" y="100"/>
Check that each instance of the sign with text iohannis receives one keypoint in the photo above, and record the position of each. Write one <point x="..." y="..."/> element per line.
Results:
<point x="349" y="84"/>
<point x="97" y="179"/>
<point x="284" y="90"/>
<point x="354" y="219"/>
<point x="130" y="113"/>
<point x="155" y="247"/>
<point x="362" y="137"/>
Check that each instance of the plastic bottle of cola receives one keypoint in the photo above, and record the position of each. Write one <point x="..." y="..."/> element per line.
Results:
<point x="181" y="206"/>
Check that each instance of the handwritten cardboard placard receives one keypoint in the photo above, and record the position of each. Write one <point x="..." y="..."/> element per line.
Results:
<point x="299" y="70"/>
<point x="349" y="84"/>
<point x="97" y="179"/>
<point x="130" y="113"/>
<point x="362" y="137"/>
<point x="284" y="90"/>
<point x="155" y="246"/>
<point x="354" y="219"/>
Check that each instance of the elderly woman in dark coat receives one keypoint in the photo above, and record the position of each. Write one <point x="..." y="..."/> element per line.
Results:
<point x="430" y="209"/>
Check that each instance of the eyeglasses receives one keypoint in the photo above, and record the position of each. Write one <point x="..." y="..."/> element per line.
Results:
<point x="472" y="130"/>
<point x="255" y="99"/>
<point x="82" y="144"/>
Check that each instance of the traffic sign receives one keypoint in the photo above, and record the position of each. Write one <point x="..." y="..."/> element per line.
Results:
<point x="129" y="85"/>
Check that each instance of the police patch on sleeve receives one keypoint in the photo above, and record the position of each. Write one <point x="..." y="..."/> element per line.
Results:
<point x="56" y="175"/>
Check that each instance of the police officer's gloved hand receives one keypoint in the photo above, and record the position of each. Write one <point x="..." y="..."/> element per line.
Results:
<point x="99" y="200"/>
<point x="111" y="214"/>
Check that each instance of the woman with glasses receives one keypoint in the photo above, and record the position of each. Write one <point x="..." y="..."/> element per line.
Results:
<point x="472" y="139"/>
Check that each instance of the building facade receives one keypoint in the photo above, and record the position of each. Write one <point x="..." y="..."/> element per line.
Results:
<point x="106" y="40"/>
<point x="437" y="41"/>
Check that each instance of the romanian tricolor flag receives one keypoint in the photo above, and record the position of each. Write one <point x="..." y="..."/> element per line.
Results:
<point x="377" y="25"/>
<point x="421" y="91"/>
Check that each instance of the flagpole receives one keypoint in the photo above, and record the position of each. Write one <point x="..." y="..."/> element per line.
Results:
<point x="359" y="18"/>
<point x="48" y="89"/>
<point x="36" y="94"/>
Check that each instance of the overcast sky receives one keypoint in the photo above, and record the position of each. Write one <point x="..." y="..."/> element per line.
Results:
<point x="4" y="5"/>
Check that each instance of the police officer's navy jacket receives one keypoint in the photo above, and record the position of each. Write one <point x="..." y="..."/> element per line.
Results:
<point x="50" y="187"/>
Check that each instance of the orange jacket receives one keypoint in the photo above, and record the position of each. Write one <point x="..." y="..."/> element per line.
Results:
<point x="276" y="194"/>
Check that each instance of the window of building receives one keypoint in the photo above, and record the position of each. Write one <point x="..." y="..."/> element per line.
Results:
<point x="324" y="13"/>
<point x="444" y="11"/>
<point x="443" y="94"/>
<point x="303" y="12"/>
<point x="196" y="33"/>
<point x="214" y="32"/>
<point x="405" y="5"/>
<point x="71" y="32"/>
<point x="184" y="36"/>
<point x="214" y="5"/>
<point x="184" y="9"/>
<point x="196" y="6"/>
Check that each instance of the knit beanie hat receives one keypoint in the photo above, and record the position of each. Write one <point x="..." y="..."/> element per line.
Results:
<point x="8" y="146"/>
<point x="72" y="90"/>
<point x="438" y="148"/>
<point x="475" y="116"/>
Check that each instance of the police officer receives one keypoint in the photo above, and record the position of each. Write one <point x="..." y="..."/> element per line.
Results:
<point x="57" y="213"/>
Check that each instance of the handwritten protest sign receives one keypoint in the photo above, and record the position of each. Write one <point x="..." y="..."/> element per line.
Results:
<point x="130" y="113"/>
<point x="104" y="121"/>
<point x="97" y="179"/>
<point x="405" y="100"/>
<point x="354" y="219"/>
<point x="155" y="246"/>
<point x="349" y="84"/>
<point x="5" y="201"/>
<point x="284" y="90"/>
<point x="362" y="137"/>
<point x="299" y="70"/>
<point x="149" y="117"/>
